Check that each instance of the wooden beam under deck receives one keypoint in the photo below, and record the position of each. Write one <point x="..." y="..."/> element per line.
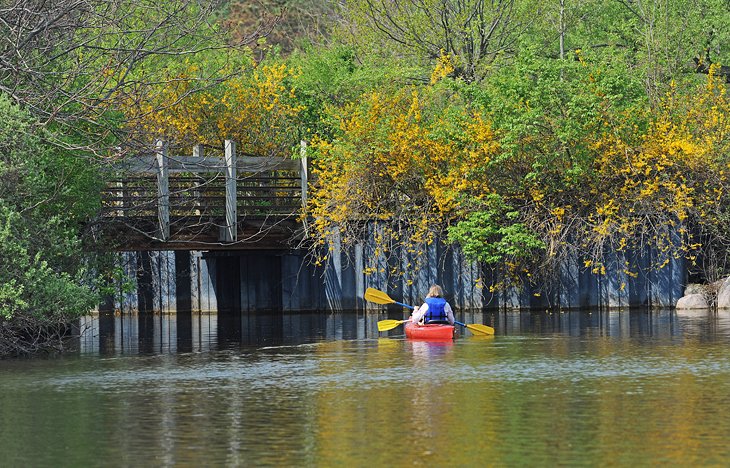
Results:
<point x="254" y="233"/>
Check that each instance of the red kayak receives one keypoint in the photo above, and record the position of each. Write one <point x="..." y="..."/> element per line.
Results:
<point x="430" y="331"/>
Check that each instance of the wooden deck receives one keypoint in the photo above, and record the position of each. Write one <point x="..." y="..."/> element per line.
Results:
<point x="163" y="202"/>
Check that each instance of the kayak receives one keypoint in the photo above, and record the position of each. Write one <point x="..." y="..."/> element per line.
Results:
<point x="430" y="331"/>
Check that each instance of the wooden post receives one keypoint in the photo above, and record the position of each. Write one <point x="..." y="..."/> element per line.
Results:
<point x="197" y="153"/>
<point x="163" y="190"/>
<point x="119" y="192"/>
<point x="231" y="231"/>
<point x="303" y="170"/>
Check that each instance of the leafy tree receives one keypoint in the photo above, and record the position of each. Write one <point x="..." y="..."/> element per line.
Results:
<point x="75" y="63"/>
<point x="331" y="77"/>
<point x="657" y="41"/>
<point x="472" y="33"/>
<point x="44" y="278"/>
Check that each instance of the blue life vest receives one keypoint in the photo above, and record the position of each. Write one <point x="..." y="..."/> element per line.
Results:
<point x="436" y="310"/>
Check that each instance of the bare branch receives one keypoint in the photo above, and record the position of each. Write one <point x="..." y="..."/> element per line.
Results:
<point x="70" y="62"/>
<point x="474" y="31"/>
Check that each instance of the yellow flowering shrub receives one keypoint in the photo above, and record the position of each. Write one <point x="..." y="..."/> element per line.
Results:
<point x="404" y="159"/>
<point x="254" y="107"/>
<point x="649" y="191"/>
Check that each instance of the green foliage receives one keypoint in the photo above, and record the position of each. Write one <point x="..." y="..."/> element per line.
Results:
<point x="43" y="195"/>
<point x="332" y="77"/>
<point x="472" y="33"/>
<point x="547" y="112"/>
<point x="29" y="284"/>
<point x="657" y="41"/>
<point x="494" y="234"/>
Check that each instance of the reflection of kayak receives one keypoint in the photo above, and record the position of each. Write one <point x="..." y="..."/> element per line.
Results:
<point x="430" y="331"/>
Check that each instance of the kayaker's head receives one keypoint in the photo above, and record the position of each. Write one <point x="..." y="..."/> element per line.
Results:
<point x="435" y="291"/>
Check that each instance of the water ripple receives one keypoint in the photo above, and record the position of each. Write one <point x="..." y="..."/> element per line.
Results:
<point x="313" y="372"/>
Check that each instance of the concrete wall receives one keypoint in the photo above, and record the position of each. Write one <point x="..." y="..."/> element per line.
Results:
<point x="181" y="281"/>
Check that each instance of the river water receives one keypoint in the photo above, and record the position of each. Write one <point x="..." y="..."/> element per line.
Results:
<point x="579" y="388"/>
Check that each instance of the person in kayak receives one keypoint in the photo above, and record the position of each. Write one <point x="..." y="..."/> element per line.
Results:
<point x="435" y="309"/>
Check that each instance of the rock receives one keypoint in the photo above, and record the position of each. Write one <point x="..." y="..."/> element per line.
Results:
<point x="694" y="288"/>
<point x="723" y="295"/>
<point x="692" y="301"/>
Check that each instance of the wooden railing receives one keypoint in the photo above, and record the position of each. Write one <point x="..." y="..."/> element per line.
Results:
<point x="201" y="198"/>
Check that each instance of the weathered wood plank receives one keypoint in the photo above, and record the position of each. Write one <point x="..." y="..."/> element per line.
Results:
<point x="231" y="208"/>
<point x="198" y="164"/>
<point x="163" y="203"/>
<point x="303" y="172"/>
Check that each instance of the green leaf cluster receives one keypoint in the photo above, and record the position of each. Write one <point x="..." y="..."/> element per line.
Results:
<point x="494" y="234"/>
<point x="44" y="194"/>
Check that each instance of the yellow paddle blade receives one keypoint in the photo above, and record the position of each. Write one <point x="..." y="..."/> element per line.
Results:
<point x="378" y="297"/>
<point x="479" y="329"/>
<point x="385" y="325"/>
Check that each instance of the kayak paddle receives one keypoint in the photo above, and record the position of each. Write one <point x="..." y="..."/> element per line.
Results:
<point x="379" y="297"/>
<point x="477" y="328"/>
<point x="385" y="325"/>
